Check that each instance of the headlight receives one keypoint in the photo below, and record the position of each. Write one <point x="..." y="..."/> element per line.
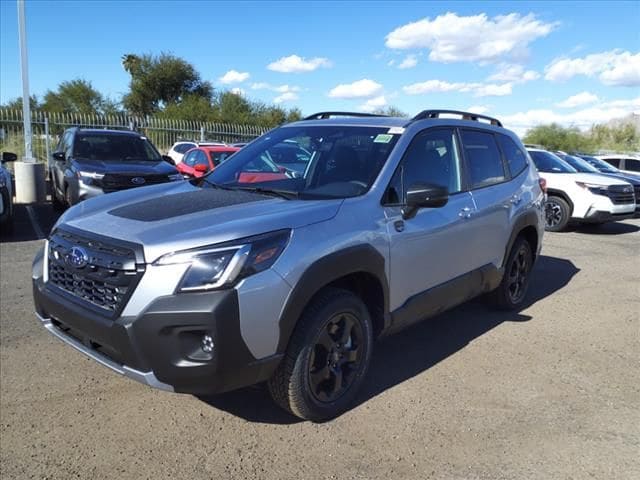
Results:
<point x="89" y="177"/>
<point x="218" y="266"/>
<point x="175" y="176"/>
<point x="594" y="188"/>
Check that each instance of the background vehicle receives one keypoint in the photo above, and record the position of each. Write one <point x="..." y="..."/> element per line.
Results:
<point x="90" y="162"/>
<point x="198" y="161"/>
<point x="226" y="282"/>
<point x="290" y="155"/>
<point x="580" y="197"/>
<point x="6" y="191"/>
<point x="624" y="163"/>
<point x="584" y="166"/>
<point x="178" y="149"/>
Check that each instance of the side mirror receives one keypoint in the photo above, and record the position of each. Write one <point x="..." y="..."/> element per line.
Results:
<point x="9" y="157"/>
<point x="168" y="159"/>
<point x="59" y="156"/>
<point x="424" y="195"/>
<point x="201" y="168"/>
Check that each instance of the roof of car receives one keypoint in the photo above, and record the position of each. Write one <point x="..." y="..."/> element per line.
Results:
<point x="217" y="148"/>
<point x="102" y="131"/>
<point x="357" y="121"/>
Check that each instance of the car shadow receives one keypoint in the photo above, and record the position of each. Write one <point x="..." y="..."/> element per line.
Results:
<point x="612" y="228"/>
<point x="406" y="354"/>
<point x="22" y="228"/>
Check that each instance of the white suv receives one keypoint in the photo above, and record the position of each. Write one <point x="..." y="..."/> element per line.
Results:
<point x="580" y="197"/>
<point x="626" y="163"/>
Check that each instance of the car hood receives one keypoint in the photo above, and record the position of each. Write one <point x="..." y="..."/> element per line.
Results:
<point x="633" y="180"/>
<point x="180" y="215"/>
<point x="126" y="167"/>
<point x="595" y="178"/>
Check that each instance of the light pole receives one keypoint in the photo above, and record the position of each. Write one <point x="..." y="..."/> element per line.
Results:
<point x="29" y="174"/>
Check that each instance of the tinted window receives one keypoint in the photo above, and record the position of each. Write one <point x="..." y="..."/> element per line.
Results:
<point x="601" y="165"/>
<point x="97" y="146"/>
<point x="184" y="147"/>
<point x="201" y="159"/>
<point x="516" y="158"/>
<point x="549" y="163"/>
<point x="483" y="158"/>
<point x="631" y="164"/>
<point x="431" y="158"/>
<point x="189" y="158"/>
<point x="579" y="164"/>
<point x="613" y="161"/>
<point x="218" y="157"/>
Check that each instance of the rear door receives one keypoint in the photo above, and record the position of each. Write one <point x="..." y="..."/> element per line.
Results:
<point x="494" y="194"/>
<point x="432" y="247"/>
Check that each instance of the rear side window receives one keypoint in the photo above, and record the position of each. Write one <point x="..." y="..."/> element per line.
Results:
<point x="516" y="158"/>
<point x="184" y="147"/>
<point x="632" y="164"/>
<point x="613" y="161"/>
<point x="483" y="158"/>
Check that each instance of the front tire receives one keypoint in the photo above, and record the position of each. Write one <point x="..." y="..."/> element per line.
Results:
<point x="557" y="213"/>
<point x="511" y="293"/>
<point x="327" y="358"/>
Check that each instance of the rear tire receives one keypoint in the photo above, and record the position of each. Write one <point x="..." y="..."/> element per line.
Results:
<point x="511" y="293"/>
<point x="557" y="213"/>
<point x="327" y="358"/>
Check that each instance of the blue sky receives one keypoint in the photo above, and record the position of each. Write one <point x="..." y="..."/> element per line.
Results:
<point x="526" y="62"/>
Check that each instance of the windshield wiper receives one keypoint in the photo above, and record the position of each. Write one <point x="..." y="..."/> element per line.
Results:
<point x="286" y="194"/>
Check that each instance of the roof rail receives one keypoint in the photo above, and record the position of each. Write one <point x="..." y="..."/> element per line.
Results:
<point x="326" y="115"/>
<point x="534" y="145"/>
<point x="465" y="116"/>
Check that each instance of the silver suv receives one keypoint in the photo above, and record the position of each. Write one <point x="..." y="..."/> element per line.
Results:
<point x="254" y="274"/>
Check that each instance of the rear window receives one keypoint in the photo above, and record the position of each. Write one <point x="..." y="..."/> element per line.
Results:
<point x="632" y="164"/>
<point x="483" y="158"/>
<point x="516" y="157"/>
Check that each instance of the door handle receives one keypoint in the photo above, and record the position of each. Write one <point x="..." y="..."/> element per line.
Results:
<point x="465" y="213"/>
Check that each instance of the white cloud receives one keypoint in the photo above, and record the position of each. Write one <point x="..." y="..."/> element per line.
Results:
<point x="296" y="64"/>
<point x="577" y="100"/>
<point x="476" y="38"/>
<point x="615" y="68"/>
<point x="286" y="97"/>
<point x="260" y="86"/>
<point x="479" y="109"/>
<point x="391" y="63"/>
<point x="508" y="72"/>
<point x="410" y="61"/>
<point x="233" y="76"/>
<point x="238" y="91"/>
<point x="360" y="89"/>
<point x="373" y="104"/>
<point x="600" y="113"/>
<point x="477" y="89"/>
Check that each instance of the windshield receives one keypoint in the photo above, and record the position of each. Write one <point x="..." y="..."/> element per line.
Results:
<point x="116" y="147"/>
<point x="309" y="161"/>
<point x="600" y="165"/>
<point x="579" y="164"/>
<point x="550" y="163"/>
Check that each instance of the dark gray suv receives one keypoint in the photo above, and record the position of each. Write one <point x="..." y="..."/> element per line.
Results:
<point x="90" y="162"/>
<point x="252" y="274"/>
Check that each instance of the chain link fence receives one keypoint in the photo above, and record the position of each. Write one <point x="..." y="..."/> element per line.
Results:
<point x="163" y="132"/>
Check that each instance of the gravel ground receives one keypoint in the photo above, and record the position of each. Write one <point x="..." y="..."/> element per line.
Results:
<point x="550" y="392"/>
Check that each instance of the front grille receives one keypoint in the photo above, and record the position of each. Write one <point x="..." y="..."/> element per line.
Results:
<point x="107" y="280"/>
<point x="619" y="196"/>
<point x="115" y="182"/>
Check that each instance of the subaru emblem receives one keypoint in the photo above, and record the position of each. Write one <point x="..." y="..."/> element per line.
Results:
<point x="627" y="190"/>
<point x="77" y="257"/>
<point x="138" y="180"/>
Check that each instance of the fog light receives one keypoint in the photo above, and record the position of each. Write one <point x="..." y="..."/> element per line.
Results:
<point x="207" y="344"/>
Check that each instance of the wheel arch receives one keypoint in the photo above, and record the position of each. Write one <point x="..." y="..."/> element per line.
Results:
<point x="525" y="226"/>
<point x="551" y="192"/>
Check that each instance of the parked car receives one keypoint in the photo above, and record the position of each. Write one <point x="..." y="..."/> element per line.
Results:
<point x="583" y="166"/>
<point x="90" y="162"/>
<point x="290" y="155"/>
<point x="6" y="191"/>
<point x="200" y="160"/>
<point x="580" y="197"/>
<point x="178" y="149"/>
<point x="625" y="163"/>
<point x="218" y="283"/>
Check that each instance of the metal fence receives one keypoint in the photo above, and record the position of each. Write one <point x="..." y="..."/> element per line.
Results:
<point x="163" y="132"/>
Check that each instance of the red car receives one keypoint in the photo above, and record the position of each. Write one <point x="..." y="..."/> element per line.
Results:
<point x="198" y="161"/>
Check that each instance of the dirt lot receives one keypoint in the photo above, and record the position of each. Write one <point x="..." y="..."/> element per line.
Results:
<point x="551" y="392"/>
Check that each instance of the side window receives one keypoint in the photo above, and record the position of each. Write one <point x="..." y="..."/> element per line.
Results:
<point x="483" y="158"/>
<point x="184" y="147"/>
<point x="68" y="144"/>
<point x="516" y="158"/>
<point x="632" y="164"/>
<point x="613" y="161"/>
<point x="201" y="159"/>
<point x="189" y="158"/>
<point x="431" y="158"/>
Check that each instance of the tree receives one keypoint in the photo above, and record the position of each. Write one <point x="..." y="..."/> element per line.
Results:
<point x="157" y="81"/>
<point x="16" y="104"/>
<point x="76" y="96"/>
<point x="390" y="111"/>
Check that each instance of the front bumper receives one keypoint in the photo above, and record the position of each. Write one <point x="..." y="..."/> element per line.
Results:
<point x="599" y="216"/>
<point x="162" y="345"/>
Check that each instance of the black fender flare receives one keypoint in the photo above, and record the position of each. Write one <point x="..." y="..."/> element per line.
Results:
<point x="355" y="259"/>
<point x="528" y="219"/>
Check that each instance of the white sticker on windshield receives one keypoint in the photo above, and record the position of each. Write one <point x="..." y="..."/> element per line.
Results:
<point x="383" y="138"/>
<point x="396" y="130"/>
